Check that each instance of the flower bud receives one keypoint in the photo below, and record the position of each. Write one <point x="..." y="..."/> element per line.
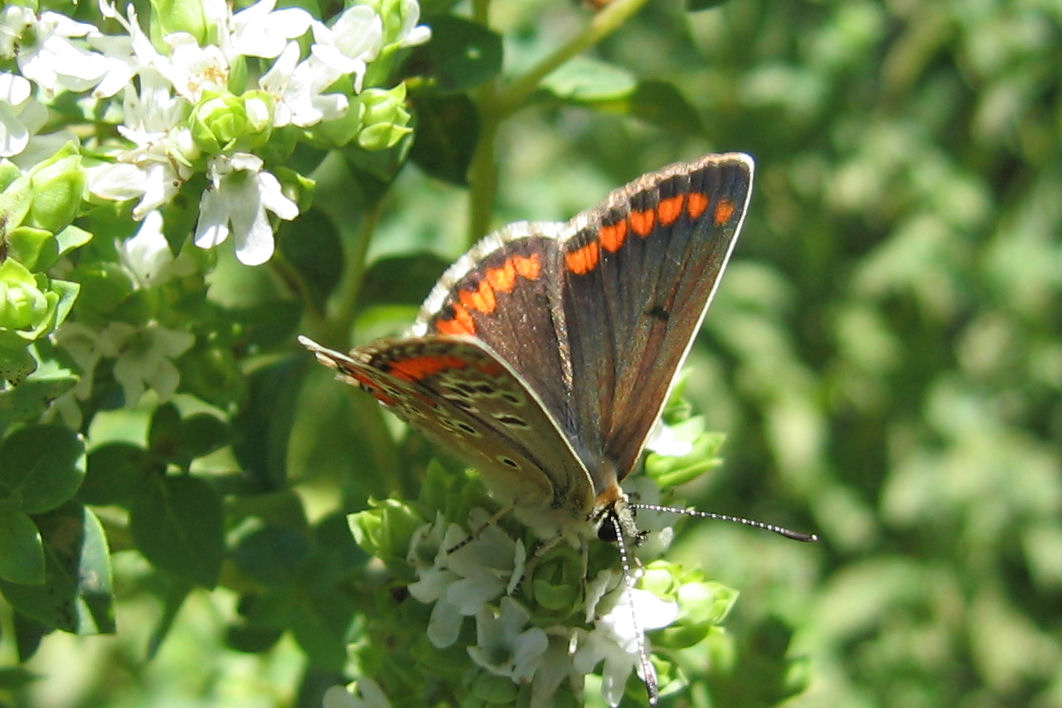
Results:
<point x="22" y="303"/>
<point x="384" y="118"/>
<point x="57" y="191"/>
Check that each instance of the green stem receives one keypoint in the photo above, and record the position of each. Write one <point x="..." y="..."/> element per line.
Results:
<point x="495" y="103"/>
<point x="604" y="23"/>
<point x="346" y="296"/>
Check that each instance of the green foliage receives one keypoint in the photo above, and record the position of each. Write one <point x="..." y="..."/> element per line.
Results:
<point x="883" y="354"/>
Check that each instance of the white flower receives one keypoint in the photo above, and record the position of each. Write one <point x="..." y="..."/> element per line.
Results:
<point x="671" y="441"/>
<point x="53" y="61"/>
<point x="555" y="667"/>
<point x="411" y="33"/>
<point x="153" y="169"/>
<point x="20" y="115"/>
<point x="460" y="583"/>
<point x="147" y="254"/>
<point x="355" y="39"/>
<point x="85" y="346"/>
<point x="259" y="31"/>
<point x="14" y="19"/>
<point x="503" y="646"/>
<point x="144" y="360"/>
<point x="192" y="69"/>
<point x="616" y="638"/>
<point x="240" y="193"/>
<point x="372" y="696"/>
<point x="297" y="88"/>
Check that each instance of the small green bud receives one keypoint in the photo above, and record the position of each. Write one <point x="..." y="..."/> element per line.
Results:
<point x="384" y="117"/>
<point x="217" y="121"/>
<point x="22" y="303"/>
<point x="57" y="192"/>
<point x="169" y="16"/>
<point x="37" y="249"/>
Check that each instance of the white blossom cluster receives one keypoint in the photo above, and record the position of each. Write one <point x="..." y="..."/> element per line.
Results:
<point x="164" y="92"/>
<point x="479" y="579"/>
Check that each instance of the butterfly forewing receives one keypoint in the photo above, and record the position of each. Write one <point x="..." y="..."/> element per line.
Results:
<point x="639" y="273"/>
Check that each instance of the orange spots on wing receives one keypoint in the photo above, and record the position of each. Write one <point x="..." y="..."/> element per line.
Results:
<point x="373" y="388"/>
<point x="670" y="209"/>
<point x="460" y="323"/>
<point x="529" y="267"/>
<point x="583" y="260"/>
<point x="643" y="222"/>
<point x="697" y="204"/>
<point x="503" y="279"/>
<point x="613" y="236"/>
<point x="421" y="367"/>
<point x="481" y="299"/>
<point x="724" y="211"/>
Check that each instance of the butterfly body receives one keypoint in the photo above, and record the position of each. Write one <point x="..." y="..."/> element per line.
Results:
<point x="544" y="355"/>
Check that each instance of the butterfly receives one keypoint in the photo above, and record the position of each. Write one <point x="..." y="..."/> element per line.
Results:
<point x="544" y="356"/>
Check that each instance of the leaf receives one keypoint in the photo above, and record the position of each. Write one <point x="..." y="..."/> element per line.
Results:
<point x="76" y="595"/>
<point x="586" y="80"/>
<point x="116" y="471"/>
<point x="460" y="55"/>
<point x="446" y="136"/>
<point x="176" y="522"/>
<point x="21" y="549"/>
<point x="311" y="245"/>
<point x="273" y="555"/>
<point x="262" y="426"/>
<point x="33" y="396"/>
<point x="400" y="280"/>
<point x="41" y="467"/>
<point x="601" y="86"/>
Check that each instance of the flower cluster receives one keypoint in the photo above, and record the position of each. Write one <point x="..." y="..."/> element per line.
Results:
<point x="543" y="621"/>
<point x="194" y="111"/>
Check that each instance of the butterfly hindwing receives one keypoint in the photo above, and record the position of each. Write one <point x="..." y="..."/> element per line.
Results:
<point x="462" y="396"/>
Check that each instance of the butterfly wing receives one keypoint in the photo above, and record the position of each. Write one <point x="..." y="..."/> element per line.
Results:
<point x="597" y="314"/>
<point x="638" y="275"/>
<point x="461" y="395"/>
<point x="506" y="293"/>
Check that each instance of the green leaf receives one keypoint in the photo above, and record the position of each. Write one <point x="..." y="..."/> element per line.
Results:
<point x="176" y="522"/>
<point x="33" y="396"/>
<point x="41" y="467"/>
<point x="116" y="471"/>
<point x="21" y="549"/>
<point x="72" y="237"/>
<point x="311" y="245"/>
<point x="400" y="280"/>
<point x="587" y="80"/>
<point x="76" y="595"/>
<point x="446" y="136"/>
<point x="164" y="435"/>
<point x="600" y="86"/>
<point x="203" y="433"/>
<point x="460" y="55"/>
<point x="37" y="249"/>
<point x="273" y="555"/>
<point x="262" y="427"/>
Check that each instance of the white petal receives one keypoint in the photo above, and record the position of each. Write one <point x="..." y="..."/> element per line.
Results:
<point x="273" y="198"/>
<point x="213" y="226"/>
<point x="14" y="136"/>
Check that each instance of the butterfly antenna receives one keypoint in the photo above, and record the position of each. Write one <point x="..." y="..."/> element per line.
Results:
<point x="648" y="672"/>
<point x="780" y="530"/>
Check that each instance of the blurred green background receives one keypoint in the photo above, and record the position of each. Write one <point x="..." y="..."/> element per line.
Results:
<point x="884" y="352"/>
